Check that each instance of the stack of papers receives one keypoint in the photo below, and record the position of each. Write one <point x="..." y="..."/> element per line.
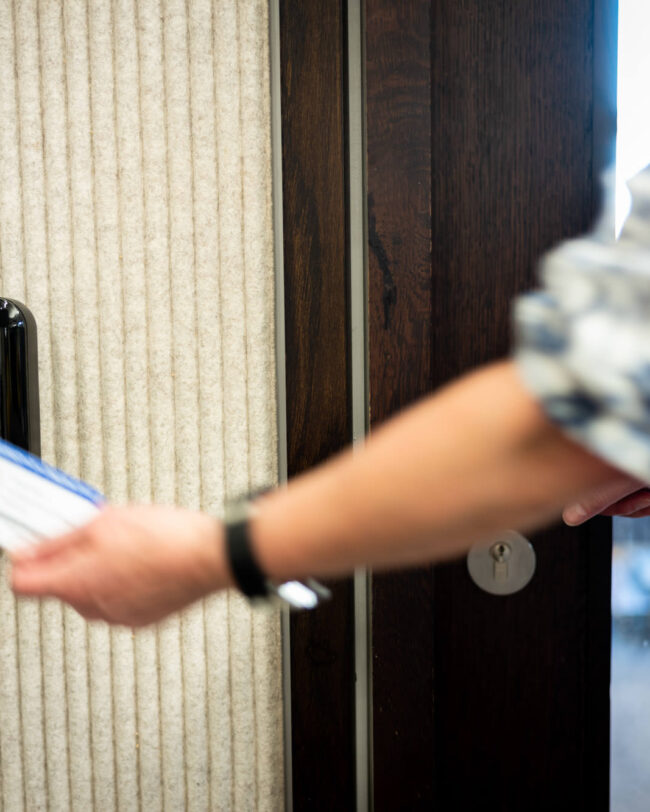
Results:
<point x="38" y="501"/>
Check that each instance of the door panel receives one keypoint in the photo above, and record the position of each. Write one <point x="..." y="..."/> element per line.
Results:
<point x="480" y="701"/>
<point x="481" y="154"/>
<point x="317" y="358"/>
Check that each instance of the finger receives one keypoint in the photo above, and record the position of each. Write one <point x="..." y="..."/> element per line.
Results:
<point x="631" y="504"/>
<point x="600" y="499"/>
<point x="639" y="514"/>
<point x="54" y="579"/>
<point x="47" y="548"/>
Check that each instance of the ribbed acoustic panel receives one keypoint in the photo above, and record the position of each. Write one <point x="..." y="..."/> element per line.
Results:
<point x="135" y="222"/>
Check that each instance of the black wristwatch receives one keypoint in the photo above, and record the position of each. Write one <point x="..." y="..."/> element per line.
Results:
<point x="249" y="578"/>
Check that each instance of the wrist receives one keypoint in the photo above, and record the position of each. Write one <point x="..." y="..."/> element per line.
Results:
<point x="250" y="572"/>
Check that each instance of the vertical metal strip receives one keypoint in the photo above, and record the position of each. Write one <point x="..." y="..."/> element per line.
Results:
<point x="280" y="358"/>
<point x="359" y="345"/>
<point x="605" y="111"/>
<point x="605" y="84"/>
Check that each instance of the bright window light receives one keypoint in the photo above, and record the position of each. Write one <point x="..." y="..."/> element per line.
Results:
<point x="630" y="684"/>
<point x="633" y="139"/>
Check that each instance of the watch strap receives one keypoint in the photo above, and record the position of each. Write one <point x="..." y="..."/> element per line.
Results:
<point x="248" y="576"/>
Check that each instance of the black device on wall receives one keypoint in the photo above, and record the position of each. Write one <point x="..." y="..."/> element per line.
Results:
<point x="19" y="404"/>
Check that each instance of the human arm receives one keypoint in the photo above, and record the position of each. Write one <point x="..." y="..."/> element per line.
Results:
<point x="475" y="458"/>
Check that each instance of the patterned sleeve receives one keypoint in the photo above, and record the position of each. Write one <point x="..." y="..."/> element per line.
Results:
<point x="582" y="342"/>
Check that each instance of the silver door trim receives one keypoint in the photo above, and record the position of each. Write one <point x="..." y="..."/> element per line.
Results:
<point x="280" y="361"/>
<point x="359" y="373"/>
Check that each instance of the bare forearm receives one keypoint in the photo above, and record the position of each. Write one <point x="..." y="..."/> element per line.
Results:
<point x="474" y="459"/>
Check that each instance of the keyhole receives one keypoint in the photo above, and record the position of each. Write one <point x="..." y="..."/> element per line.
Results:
<point x="500" y="552"/>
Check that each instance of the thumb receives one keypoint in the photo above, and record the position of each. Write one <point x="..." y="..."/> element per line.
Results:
<point x="599" y="499"/>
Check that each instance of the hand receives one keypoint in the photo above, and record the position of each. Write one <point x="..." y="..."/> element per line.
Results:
<point x="131" y="565"/>
<point x="623" y="496"/>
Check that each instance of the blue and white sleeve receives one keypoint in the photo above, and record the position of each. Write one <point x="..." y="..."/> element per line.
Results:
<point x="582" y="342"/>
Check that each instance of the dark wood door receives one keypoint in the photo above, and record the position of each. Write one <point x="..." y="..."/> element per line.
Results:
<point x="319" y="423"/>
<point x="480" y="139"/>
<point x="487" y="124"/>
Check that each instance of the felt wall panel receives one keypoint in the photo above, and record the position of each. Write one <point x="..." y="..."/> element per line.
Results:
<point x="135" y="222"/>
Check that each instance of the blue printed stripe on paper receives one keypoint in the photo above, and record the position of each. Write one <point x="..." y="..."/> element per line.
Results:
<point x="29" y="462"/>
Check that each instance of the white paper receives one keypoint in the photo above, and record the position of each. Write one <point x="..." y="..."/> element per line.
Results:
<point x="38" y="501"/>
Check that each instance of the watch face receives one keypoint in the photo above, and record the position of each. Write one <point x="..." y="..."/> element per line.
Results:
<point x="297" y="595"/>
<point x="301" y="595"/>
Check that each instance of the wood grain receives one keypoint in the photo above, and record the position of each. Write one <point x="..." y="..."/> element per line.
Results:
<point x="398" y="71"/>
<point x="318" y="396"/>
<point x="480" y="702"/>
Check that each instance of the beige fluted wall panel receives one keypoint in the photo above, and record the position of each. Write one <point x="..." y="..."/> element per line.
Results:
<point x="135" y="222"/>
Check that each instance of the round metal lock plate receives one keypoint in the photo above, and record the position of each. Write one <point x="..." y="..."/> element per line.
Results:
<point x="503" y="566"/>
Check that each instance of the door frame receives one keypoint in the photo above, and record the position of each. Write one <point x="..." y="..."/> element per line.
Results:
<point x="317" y="302"/>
